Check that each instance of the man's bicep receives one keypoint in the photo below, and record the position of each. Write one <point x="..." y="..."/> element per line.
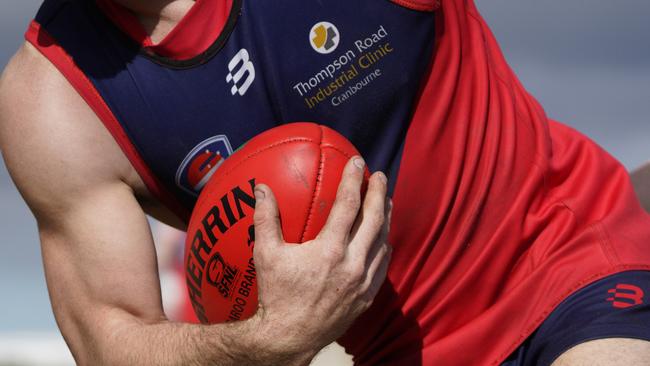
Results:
<point x="100" y="265"/>
<point x="106" y="241"/>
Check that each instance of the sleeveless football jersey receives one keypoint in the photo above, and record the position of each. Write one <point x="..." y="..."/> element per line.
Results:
<point x="268" y="63"/>
<point x="499" y="213"/>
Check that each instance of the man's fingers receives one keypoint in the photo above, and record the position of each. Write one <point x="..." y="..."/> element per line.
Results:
<point x="347" y="203"/>
<point x="267" y="218"/>
<point x="379" y="250"/>
<point x="374" y="217"/>
<point x="377" y="270"/>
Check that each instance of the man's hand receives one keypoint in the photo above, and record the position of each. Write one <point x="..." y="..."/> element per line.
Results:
<point x="311" y="293"/>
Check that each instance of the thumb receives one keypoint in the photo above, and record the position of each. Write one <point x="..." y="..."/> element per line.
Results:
<point x="267" y="218"/>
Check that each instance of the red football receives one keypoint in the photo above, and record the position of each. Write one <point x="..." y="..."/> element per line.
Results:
<point x="302" y="163"/>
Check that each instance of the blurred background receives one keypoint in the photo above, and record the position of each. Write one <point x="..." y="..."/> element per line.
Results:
<point x="587" y="61"/>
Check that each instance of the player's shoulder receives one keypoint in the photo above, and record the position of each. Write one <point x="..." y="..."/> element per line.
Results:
<point x="27" y="70"/>
<point x="30" y="86"/>
<point x="51" y="140"/>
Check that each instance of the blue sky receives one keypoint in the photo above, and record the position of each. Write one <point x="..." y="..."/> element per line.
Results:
<point x="588" y="62"/>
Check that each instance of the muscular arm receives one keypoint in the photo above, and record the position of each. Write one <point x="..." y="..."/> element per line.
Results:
<point x="97" y="250"/>
<point x="641" y="181"/>
<point x="99" y="258"/>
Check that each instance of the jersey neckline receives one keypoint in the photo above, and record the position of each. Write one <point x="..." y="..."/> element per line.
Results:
<point x="193" y="36"/>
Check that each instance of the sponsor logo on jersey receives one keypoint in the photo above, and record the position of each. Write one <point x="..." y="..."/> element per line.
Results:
<point x="324" y="37"/>
<point x="201" y="163"/>
<point x="353" y="72"/>
<point x="625" y="296"/>
<point x="241" y="73"/>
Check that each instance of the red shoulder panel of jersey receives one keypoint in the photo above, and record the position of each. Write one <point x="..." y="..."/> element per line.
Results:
<point x="44" y="43"/>
<point x="504" y="213"/>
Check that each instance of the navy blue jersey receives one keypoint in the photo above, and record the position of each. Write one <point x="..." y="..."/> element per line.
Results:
<point x="273" y="63"/>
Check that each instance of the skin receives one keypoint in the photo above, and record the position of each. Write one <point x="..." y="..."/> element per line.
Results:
<point x="607" y="352"/>
<point x="158" y="17"/>
<point x="99" y="257"/>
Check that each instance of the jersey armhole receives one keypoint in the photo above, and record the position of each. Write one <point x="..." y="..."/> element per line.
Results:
<point x="48" y="47"/>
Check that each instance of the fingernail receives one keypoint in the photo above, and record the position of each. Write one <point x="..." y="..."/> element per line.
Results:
<point x="359" y="163"/>
<point x="383" y="177"/>
<point x="259" y="195"/>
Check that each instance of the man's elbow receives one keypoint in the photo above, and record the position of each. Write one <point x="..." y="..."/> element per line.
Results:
<point x="109" y="336"/>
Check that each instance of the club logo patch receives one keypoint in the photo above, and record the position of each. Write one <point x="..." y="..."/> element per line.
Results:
<point x="324" y="37"/>
<point x="201" y="163"/>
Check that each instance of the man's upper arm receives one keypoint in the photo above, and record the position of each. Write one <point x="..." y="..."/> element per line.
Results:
<point x="607" y="352"/>
<point x="96" y="244"/>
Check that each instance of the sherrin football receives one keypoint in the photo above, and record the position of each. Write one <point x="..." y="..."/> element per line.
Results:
<point x="302" y="163"/>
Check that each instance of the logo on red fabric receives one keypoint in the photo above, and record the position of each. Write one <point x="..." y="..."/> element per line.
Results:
<point x="222" y="275"/>
<point x="624" y="296"/>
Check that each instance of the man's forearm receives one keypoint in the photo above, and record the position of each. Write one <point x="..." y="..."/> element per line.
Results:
<point x="641" y="181"/>
<point x="167" y="343"/>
